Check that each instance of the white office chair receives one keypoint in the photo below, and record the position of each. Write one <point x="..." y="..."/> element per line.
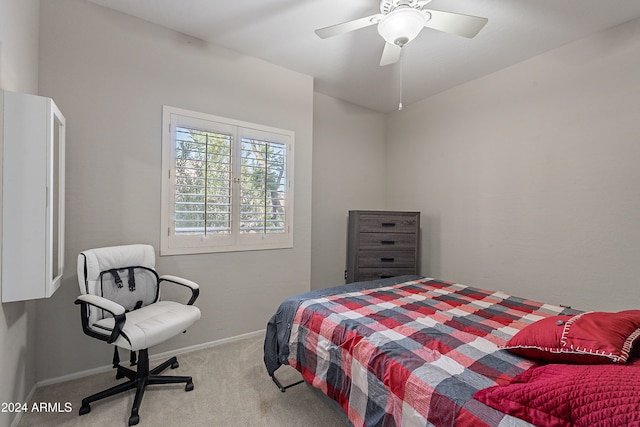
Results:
<point x="120" y="304"/>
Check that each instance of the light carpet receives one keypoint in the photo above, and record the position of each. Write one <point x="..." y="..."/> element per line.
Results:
<point x="232" y="388"/>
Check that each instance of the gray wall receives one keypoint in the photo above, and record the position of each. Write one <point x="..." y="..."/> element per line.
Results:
<point x="528" y="179"/>
<point x="348" y="173"/>
<point x="19" y="21"/>
<point x="110" y="74"/>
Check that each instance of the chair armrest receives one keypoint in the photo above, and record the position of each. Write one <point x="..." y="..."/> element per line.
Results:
<point x="195" y="288"/>
<point x="100" y="302"/>
<point x="114" y="308"/>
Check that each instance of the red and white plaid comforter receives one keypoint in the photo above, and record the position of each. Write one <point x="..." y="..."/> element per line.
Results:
<point x="412" y="354"/>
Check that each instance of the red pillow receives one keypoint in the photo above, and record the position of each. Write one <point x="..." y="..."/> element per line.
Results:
<point x="586" y="338"/>
<point x="571" y="395"/>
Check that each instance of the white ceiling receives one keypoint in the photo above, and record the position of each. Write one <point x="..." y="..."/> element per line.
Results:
<point x="347" y="66"/>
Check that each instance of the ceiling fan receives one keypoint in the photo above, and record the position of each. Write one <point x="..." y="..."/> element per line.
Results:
<point x="400" y="21"/>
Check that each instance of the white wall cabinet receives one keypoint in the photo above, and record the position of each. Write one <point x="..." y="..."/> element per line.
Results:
<point x="33" y="144"/>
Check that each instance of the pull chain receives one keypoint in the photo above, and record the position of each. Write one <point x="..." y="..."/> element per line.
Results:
<point x="400" y="97"/>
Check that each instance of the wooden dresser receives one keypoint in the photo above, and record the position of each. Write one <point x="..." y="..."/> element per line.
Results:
<point x="382" y="244"/>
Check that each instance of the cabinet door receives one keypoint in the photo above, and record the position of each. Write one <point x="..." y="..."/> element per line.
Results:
<point x="32" y="196"/>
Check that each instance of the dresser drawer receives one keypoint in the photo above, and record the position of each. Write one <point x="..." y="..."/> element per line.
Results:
<point x="388" y="241"/>
<point x="390" y="223"/>
<point x="382" y="259"/>
<point x="383" y="273"/>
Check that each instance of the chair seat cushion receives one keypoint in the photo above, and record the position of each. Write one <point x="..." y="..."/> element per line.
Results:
<point x="153" y="324"/>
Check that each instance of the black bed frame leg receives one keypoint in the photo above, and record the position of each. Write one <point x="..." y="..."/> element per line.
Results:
<point x="284" y="388"/>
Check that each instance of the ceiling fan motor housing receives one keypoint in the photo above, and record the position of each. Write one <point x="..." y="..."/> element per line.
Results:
<point x="386" y="6"/>
<point x="403" y="23"/>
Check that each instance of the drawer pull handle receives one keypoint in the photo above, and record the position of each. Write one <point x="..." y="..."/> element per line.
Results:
<point x="388" y="224"/>
<point x="387" y="259"/>
<point x="387" y="242"/>
<point x="385" y="275"/>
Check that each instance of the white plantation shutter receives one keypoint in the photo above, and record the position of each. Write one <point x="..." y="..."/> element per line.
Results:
<point x="263" y="186"/>
<point x="202" y="182"/>
<point x="228" y="184"/>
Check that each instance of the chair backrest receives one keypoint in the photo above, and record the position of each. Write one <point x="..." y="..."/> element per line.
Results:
<point x="123" y="274"/>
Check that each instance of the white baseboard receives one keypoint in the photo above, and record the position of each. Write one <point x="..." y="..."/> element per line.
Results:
<point x="155" y="357"/>
<point x="18" y="417"/>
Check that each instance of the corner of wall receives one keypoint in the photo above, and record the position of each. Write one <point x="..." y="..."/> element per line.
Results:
<point x="19" y="53"/>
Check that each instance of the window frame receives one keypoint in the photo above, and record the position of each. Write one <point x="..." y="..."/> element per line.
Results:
<point x="175" y="244"/>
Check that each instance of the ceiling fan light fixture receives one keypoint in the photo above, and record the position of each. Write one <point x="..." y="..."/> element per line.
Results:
<point x="401" y="25"/>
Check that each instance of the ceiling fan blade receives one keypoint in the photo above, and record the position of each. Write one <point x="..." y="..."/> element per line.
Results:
<point x="390" y="54"/>
<point x="345" y="27"/>
<point x="455" y="23"/>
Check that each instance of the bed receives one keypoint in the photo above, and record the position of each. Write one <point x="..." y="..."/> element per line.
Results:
<point x="413" y="351"/>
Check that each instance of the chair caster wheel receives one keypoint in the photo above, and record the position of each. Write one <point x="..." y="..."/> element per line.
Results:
<point x="174" y="365"/>
<point x="188" y="387"/>
<point x="84" y="409"/>
<point x="134" y="419"/>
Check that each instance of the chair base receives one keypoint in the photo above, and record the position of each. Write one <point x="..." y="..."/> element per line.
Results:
<point x="139" y="380"/>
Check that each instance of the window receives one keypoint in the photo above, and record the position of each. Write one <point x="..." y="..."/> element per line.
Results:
<point x="227" y="185"/>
